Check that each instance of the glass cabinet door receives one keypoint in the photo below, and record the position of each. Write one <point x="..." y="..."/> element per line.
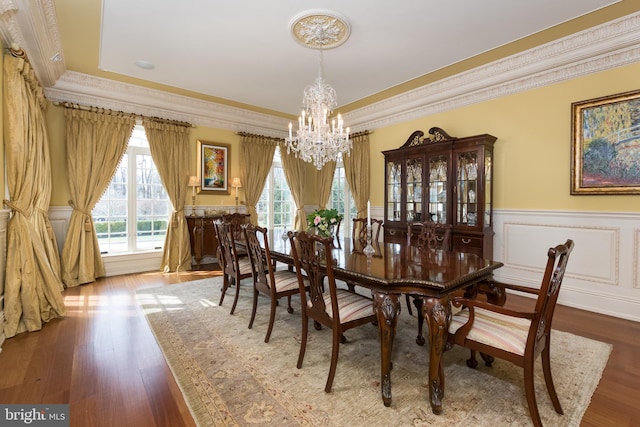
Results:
<point x="414" y="190"/>
<point x="467" y="189"/>
<point x="394" y="190"/>
<point x="488" y="188"/>
<point x="438" y="173"/>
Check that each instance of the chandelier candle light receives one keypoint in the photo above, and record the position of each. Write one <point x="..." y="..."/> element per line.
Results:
<point x="316" y="140"/>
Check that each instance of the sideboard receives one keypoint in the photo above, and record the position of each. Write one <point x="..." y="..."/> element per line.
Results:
<point x="203" y="235"/>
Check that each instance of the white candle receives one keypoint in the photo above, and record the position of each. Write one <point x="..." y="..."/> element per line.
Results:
<point x="290" y="126"/>
<point x="368" y="213"/>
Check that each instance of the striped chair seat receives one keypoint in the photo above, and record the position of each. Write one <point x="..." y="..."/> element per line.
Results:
<point x="285" y="280"/>
<point x="494" y="329"/>
<point x="351" y="305"/>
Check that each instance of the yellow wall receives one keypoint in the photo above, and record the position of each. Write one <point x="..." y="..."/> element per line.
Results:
<point x="532" y="153"/>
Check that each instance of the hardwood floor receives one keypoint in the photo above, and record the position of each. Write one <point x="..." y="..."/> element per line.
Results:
<point x="103" y="360"/>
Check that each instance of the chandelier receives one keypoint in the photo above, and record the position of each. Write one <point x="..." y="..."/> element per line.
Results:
<point x="319" y="138"/>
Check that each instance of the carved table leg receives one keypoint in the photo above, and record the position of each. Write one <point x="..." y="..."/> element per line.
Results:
<point x="387" y="309"/>
<point x="437" y="314"/>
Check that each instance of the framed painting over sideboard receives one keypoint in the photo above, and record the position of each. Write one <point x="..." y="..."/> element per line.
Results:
<point x="605" y="150"/>
<point x="213" y="167"/>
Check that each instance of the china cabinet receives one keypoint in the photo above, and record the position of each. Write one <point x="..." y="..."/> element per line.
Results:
<point x="447" y="180"/>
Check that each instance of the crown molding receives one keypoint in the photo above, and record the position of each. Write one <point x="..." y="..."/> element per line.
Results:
<point x="33" y="26"/>
<point x="95" y="91"/>
<point x="600" y="48"/>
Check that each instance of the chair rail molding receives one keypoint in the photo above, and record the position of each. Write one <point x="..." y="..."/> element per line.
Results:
<point x="603" y="275"/>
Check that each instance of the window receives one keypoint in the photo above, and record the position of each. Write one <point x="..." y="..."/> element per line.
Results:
<point x="133" y="212"/>
<point x="276" y="208"/>
<point x="341" y="199"/>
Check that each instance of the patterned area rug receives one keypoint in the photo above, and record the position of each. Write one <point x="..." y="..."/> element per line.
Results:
<point x="231" y="377"/>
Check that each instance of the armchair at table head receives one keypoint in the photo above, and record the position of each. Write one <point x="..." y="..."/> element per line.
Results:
<point x="338" y="309"/>
<point x="359" y="230"/>
<point x="515" y="336"/>
<point x="427" y="235"/>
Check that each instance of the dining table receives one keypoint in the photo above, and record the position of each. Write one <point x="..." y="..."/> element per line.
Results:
<point x="394" y="269"/>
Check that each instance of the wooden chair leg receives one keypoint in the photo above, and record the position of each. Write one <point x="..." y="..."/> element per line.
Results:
<point x="530" y="392"/>
<point x="255" y="307"/>
<point x="235" y="298"/>
<point x="472" y="362"/>
<point x="225" y="286"/>
<point x="272" y="317"/>
<point x="334" y="359"/>
<point x="546" y="368"/>
<point x="289" y="308"/>
<point x="303" y="339"/>
<point x="409" y="304"/>
<point x="418" y="303"/>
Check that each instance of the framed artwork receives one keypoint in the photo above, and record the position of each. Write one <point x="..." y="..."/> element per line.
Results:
<point x="213" y="164"/>
<point x="605" y="151"/>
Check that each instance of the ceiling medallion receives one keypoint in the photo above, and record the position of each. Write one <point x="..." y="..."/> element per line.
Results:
<point x="320" y="29"/>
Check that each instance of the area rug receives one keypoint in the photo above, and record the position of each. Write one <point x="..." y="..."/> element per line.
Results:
<point x="231" y="377"/>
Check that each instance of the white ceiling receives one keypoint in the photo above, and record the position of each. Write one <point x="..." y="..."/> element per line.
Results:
<point x="243" y="50"/>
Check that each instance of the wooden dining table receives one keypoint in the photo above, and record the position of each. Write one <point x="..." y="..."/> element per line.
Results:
<point x="395" y="269"/>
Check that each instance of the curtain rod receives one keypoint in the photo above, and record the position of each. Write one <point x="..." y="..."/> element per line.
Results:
<point x="254" y="135"/>
<point x="101" y="110"/>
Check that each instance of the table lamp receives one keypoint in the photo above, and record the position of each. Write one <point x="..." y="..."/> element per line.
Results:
<point x="194" y="182"/>
<point x="235" y="183"/>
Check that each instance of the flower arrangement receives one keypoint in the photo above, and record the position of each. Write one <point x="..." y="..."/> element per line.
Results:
<point x="324" y="221"/>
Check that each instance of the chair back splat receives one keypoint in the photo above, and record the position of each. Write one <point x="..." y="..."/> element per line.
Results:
<point x="516" y="336"/>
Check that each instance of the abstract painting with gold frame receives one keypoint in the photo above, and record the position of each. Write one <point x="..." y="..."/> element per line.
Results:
<point x="213" y="164"/>
<point x="605" y="153"/>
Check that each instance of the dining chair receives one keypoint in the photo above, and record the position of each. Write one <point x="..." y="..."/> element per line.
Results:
<point x="359" y="230"/>
<point x="274" y="283"/>
<point x="426" y="235"/>
<point x="515" y="336"/>
<point x="235" y="268"/>
<point x="338" y="309"/>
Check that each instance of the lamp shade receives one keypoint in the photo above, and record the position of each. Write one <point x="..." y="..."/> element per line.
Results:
<point x="194" y="181"/>
<point x="235" y="182"/>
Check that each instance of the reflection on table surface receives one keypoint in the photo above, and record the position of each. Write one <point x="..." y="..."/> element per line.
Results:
<point x="395" y="263"/>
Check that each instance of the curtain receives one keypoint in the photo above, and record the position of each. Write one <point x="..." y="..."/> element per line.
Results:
<point x="33" y="290"/>
<point x="356" y="169"/>
<point x="325" y="176"/>
<point x="96" y="141"/>
<point x="257" y="157"/>
<point x="169" y="145"/>
<point x="294" y="173"/>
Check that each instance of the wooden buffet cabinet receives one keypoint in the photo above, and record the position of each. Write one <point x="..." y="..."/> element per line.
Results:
<point x="203" y="236"/>
<point x="446" y="179"/>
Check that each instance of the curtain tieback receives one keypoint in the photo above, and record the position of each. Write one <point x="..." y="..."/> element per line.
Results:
<point x="14" y="207"/>
<point x="174" y="218"/>
<point x="88" y="220"/>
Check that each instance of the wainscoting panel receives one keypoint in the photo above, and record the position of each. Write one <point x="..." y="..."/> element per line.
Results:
<point x="603" y="271"/>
